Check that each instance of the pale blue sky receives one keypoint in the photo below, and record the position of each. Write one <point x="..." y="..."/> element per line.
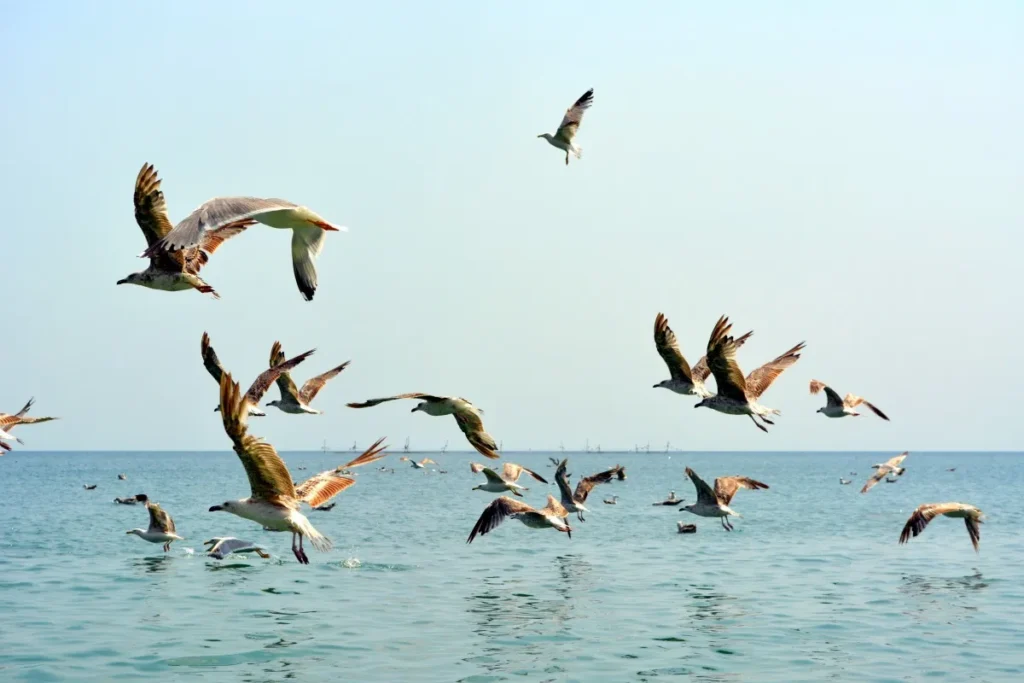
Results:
<point x="849" y="174"/>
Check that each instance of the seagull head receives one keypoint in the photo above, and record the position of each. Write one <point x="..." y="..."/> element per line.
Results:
<point x="132" y="279"/>
<point x="418" y="406"/>
<point x="137" y="532"/>
<point x="820" y="410"/>
<point x="662" y="383"/>
<point x="275" y="402"/>
<point x="225" y="507"/>
<point x="546" y="136"/>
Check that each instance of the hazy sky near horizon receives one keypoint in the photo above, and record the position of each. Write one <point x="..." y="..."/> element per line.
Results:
<point x="849" y="174"/>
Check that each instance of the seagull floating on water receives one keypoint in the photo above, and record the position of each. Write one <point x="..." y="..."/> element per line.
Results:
<point x="552" y="516"/>
<point x="262" y="381"/>
<point x="130" y="500"/>
<point x="971" y="515"/>
<point x="574" y="501"/>
<point x="844" y="482"/>
<point x="614" y="500"/>
<point x="161" y="526"/>
<point x="565" y="136"/>
<point x="684" y="380"/>
<point x="466" y="415"/>
<point x="671" y="500"/>
<point x="738" y="395"/>
<point x="882" y="469"/>
<point x="123" y="477"/>
<point x="685" y="528"/>
<point x="178" y="271"/>
<point x="89" y="487"/>
<point x="506" y="481"/>
<point x="841" y="407"/>
<point x="308" y="231"/>
<point x="293" y="400"/>
<point x="715" y="502"/>
<point x="222" y="546"/>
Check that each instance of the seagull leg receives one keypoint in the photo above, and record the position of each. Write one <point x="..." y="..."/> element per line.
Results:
<point x="757" y="424"/>
<point x="765" y="419"/>
<point x="295" y="548"/>
<point x="305" y="558"/>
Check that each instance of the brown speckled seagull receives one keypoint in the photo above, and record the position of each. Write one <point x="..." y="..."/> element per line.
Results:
<point x="293" y="400"/>
<point x="173" y="272"/>
<point x="9" y="422"/>
<point x="261" y="383"/>
<point x="971" y="515"/>
<point x="551" y="516"/>
<point x="841" y="407"/>
<point x="683" y="379"/>
<point x="892" y="465"/>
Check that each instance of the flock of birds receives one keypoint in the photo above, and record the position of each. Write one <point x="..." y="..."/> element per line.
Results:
<point x="177" y="254"/>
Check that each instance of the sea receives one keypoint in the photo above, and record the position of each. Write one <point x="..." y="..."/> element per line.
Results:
<point x="811" y="586"/>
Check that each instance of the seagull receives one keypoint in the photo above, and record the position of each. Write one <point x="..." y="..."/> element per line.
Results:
<point x="683" y="380"/>
<point x="715" y="503"/>
<point x="501" y="508"/>
<point x="325" y="508"/>
<point x="736" y="395"/>
<point x="292" y="400"/>
<point x="684" y="528"/>
<point x="308" y="231"/>
<point x="919" y="519"/>
<point x="161" y="526"/>
<point x="506" y="481"/>
<point x="89" y="487"/>
<point x="222" y="546"/>
<point x="891" y="465"/>
<point x="620" y="472"/>
<point x="418" y="465"/>
<point x="951" y="469"/>
<point x="671" y="500"/>
<point x="262" y="382"/>
<point x="841" y="407"/>
<point x="573" y="501"/>
<point x="466" y="415"/>
<point x="566" y="133"/>
<point x="614" y="500"/>
<point x="844" y="482"/>
<point x="891" y="480"/>
<point x="9" y="422"/>
<point x="123" y="477"/>
<point x="275" y="499"/>
<point x="130" y="500"/>
<point x="173" y="272"/>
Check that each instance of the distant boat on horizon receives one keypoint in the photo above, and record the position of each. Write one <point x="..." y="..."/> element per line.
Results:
<point x="405" y="448"/>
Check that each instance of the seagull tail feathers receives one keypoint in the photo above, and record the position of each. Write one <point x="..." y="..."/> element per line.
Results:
<point x="319" y="541"/>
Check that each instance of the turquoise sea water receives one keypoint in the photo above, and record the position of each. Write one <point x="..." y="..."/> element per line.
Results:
<point x="811" y="586"/>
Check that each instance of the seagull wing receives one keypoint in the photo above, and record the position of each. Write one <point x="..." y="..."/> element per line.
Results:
<point x="493" y="477"/>
<point x="574" y="115"/>
<point x="268" y="476"/>
<point x="563" y="482"/>
<point x="722" y="361"/>
<point x="496" y="513"/>
<point x="307" y="243"/>
<point x="726" y="487"/>
<point x="377" y="401"/>
<point x="878" y="476"/>
<point x="701" y="371"/>
<point x="195" y="259"/>
<point x="852" y="401"/>
<point x="217" y="213"/>
<point x="476" y="468"/>
<point x="759" y="380"/>
<point x="668" y="348"/>
<point x="151" y="215"/>
<point x="704" y="493"/>
<point x="512" y="472"/>
<point x="284" y="381"/>
<point x="159" y="520"/>
<point x="830" y="394"/>
<point x="554" y="508"/>
<point x="371" y="454"/>
<point x="320" y="488"/>
<point x="473" y="427"/>
<point x="313" y="386"/>
<point x="584" y="485"/>
<point x="210" y="359"/>
<point x="270" y="375"/>
<point x="920" y="518"/>
<point x="893" y="463"/>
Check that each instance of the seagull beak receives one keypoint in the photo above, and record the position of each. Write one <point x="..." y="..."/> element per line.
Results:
<point x="655" y="386"/>
<point x="413" y="410"/>
<point x="215" y="508"/>
<point x="121" y="282"/>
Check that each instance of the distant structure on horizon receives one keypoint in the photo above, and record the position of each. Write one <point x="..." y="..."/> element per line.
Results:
<point x="444" y="448"/>
<point x="405" y="448"/>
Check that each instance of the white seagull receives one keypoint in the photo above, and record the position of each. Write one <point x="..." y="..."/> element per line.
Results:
<point x="178" y="271"/>
<point x="841" y="407"/>
<point x="551" y="516"/>
<point x="683" y="379"/>
<point x="506" y="481"/>
<point x="259" y="385"/>
<point x="715" y="502"/>
<point x="466" y="415"/>
<point x="308" y="231"/>
<point x="971" y="515"/>
<point x="161" y="526"/>
<point x="222" y="546"/>
<point x="565" y="136"/>
<point x="882" y="469"/>
<point x="274" y="500"/>
<point x="293" y="400"/>
<point x="738" y="395"/>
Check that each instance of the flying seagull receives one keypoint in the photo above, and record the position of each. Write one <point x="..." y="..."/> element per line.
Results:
<point x="9" y="422"/>
<point x="417" y="465"/>
<point x="971" y="515"/>
<point x="262" y="382"/>
<point x="222" y="546"/>
<point x="466" y="415"/>
<point x="293" y="400"/>
<point x="574" y="501"/>
<point x="501" y="508"/>
<point x="841" y="407"/>
<point x="892" y="465"/>
<point x="715" y="502"/>
<point x="683" y="379"/>
<point x="566" y="133"/>
<point x="308" y="231"/>
<point x="178" y="271"/>
<point x="506" y="481"/>
<point x="161" y="526"/>
<point x="274" y="500"/>
<point x="736" y="395"/>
